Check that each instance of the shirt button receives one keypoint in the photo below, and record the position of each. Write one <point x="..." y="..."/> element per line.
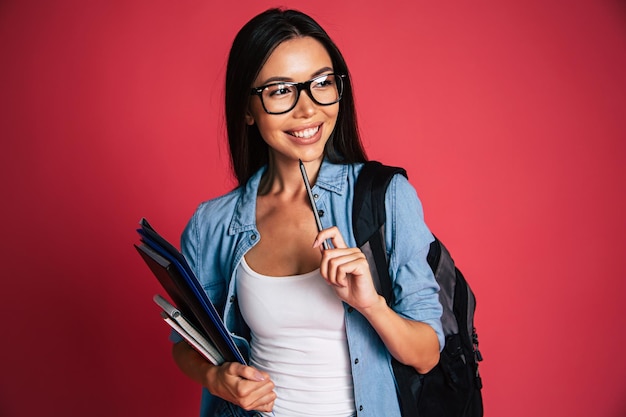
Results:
<point x="316" y="196"/>
<point x="321" y="213"/>
<point x="232" y="298"/>
<point x="360" y="408"/>
<point x="356" y="361"/>
<point x="253" y="236"/>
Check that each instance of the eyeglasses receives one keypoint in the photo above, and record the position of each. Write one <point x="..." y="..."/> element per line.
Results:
<point x="281" y="97"/>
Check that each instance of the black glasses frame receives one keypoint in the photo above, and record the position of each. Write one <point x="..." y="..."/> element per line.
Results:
<point x="258" y="91"/>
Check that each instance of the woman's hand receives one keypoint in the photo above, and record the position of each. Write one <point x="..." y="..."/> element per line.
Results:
<point x="239" y="384"/>
<point x="242" y="385"/>
<point x="347" y="271"/>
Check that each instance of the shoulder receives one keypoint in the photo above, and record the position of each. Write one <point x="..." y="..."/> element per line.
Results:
<point x="211" y="218"/>
<point x="217" y="207"/>
<point x="402" y="196"/>
<point x="405" y="216"/>
<point x="206" y="241"/>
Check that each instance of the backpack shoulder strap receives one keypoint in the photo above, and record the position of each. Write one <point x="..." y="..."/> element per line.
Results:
<point x="368" y="220"/>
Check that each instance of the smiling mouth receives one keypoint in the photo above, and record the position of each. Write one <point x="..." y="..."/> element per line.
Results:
<point x="306" y="133"/>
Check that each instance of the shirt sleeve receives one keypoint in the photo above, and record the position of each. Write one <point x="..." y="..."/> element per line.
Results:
<point x="188" y="249"/>
<point x="416" y="292"/>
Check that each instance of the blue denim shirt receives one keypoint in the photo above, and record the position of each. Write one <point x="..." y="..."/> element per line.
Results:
<point x="222" y="230"/>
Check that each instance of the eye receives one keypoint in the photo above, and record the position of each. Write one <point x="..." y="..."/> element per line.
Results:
<point x="279" y="90"/>
<point x="324" y="81"/>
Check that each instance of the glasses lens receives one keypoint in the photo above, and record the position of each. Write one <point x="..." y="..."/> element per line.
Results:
<point x="326" y="89"/>
<point x="278" y="98"/>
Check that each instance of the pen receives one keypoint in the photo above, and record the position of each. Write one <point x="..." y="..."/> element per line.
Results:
<point x="307" y="185"/>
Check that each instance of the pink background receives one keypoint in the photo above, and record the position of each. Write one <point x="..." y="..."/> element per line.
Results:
<point x="508" y="115"/>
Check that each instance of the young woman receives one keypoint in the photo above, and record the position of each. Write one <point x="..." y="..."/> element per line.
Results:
<point x="318" y="337"/>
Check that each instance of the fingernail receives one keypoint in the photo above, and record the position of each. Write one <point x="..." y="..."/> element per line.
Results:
<point x="259" y="377"/>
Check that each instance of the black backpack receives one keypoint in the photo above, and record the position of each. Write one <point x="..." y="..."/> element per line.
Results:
<point x="453" y="387"/>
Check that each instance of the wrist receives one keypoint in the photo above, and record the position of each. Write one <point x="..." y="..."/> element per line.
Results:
<point x="375" y="308"/>
<point x="208" y="374"/>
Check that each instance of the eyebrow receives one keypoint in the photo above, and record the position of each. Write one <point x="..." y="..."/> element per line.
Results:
<point x="287" y="79"/>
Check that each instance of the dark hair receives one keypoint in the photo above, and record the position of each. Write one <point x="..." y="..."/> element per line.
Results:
<point x="251" y="48"/>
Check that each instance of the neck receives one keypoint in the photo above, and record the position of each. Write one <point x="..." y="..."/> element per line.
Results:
<point x="285" y="177"/>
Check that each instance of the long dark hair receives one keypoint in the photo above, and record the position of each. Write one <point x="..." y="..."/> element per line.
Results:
<point x="252" y="46"/>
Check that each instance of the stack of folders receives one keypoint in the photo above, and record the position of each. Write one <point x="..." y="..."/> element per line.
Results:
<point x="192" y="315"/>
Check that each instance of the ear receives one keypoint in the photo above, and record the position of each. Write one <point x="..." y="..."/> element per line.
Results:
<point x="249" y="118"/>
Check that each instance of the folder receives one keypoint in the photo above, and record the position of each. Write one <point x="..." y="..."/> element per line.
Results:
<point x="178" y="280"/>
<point x="177" y="321"/>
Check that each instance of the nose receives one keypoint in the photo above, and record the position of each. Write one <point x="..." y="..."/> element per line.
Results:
<point x="305" y="106"/>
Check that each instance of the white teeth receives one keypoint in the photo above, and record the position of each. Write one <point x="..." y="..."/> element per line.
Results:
<point x="306" y="133"/>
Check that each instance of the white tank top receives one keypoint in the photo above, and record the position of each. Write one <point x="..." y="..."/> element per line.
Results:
<point x="299" y="338"/>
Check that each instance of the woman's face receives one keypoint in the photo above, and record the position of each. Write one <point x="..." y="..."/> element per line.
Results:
<point x="302" y="132"/>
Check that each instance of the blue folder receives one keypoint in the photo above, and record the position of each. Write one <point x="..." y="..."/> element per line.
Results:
<point x="176" y="277"/>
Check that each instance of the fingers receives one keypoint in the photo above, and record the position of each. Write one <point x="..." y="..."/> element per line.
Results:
<point x="341" y="261"/>
<point x="247" y="387"/>
<point x="332" y="234"/>
<point x="264" y="402"/>
<point x="248" y="372"/>
<point x="337" y="265"/>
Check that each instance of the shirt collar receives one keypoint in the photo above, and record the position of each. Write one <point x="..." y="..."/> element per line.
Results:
<point x="331" y="177"/>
